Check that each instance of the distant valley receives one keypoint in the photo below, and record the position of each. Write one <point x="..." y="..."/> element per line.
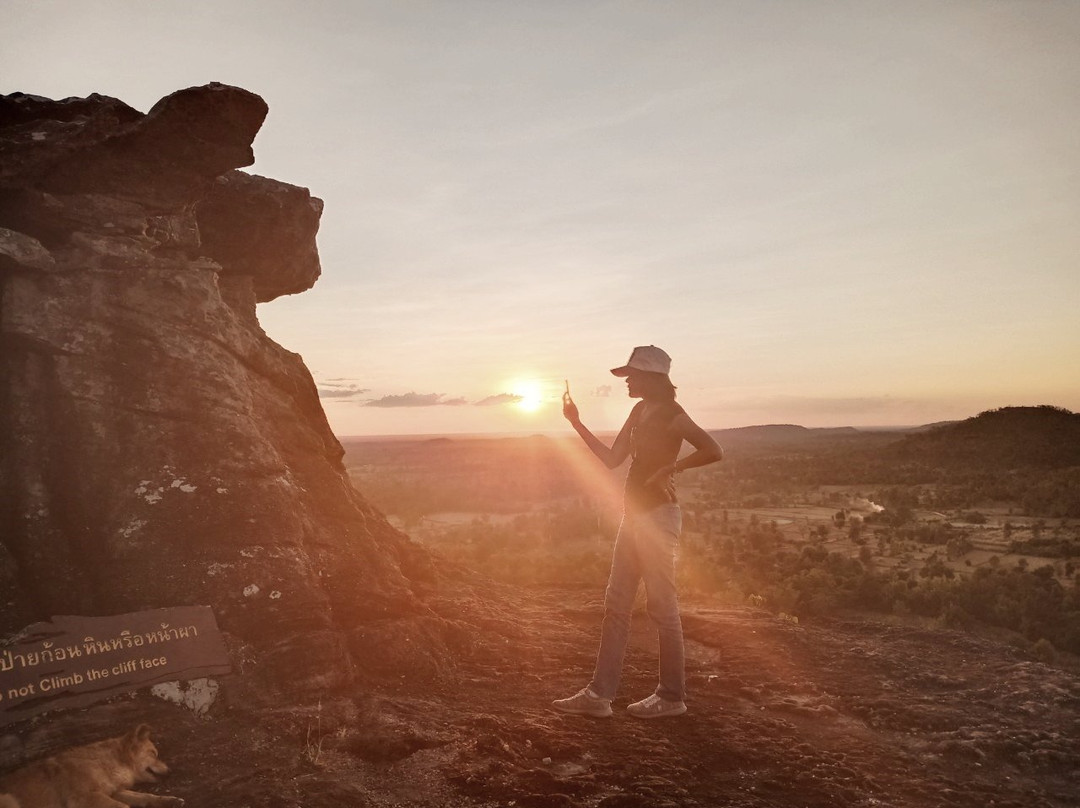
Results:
<point x="969" y="523"/>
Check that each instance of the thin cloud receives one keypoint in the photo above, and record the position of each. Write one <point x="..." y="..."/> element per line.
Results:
<point x="415" y="400"/>
<point x="341" y="391"/>
<point x="501" y="398"/>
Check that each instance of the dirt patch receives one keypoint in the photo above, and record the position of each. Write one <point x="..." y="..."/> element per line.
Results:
<point x="850" y="713"/>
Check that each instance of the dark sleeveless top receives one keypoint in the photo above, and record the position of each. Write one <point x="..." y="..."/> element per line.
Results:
<point x="652" y="446"/>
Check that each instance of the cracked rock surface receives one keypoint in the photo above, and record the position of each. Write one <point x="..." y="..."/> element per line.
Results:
<point x="157" y="448"/>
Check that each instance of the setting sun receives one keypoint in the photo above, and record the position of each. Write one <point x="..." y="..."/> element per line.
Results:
<point x="530" y="395"/>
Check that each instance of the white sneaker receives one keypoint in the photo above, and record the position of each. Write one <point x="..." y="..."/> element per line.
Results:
<point x="584" y="702"/>
<point x="655" y="707"/>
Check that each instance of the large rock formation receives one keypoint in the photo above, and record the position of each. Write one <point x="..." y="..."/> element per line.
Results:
<point x="156" y="447"/>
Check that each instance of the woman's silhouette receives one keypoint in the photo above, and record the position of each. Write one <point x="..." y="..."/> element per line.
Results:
<point x="645" y="547"/>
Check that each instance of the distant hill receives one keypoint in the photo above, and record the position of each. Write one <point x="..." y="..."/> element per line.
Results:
<point x="791" y="437"/>
<point x="783" y="432"/>
<point x="1008" y="438"/>
<point x="929" y="427"/>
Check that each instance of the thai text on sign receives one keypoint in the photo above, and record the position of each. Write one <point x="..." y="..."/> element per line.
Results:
<point x="72" y="661"/>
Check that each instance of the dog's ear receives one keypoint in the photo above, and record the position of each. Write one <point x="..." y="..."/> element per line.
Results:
<point x="136" y="736"/>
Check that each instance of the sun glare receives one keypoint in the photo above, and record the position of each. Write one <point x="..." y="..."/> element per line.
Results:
<point x="530" y="394"/>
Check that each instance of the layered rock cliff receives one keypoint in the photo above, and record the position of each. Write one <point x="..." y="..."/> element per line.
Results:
<point x="157" y="448"/>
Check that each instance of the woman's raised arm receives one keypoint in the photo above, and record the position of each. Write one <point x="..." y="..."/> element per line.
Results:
<point x="614" y="455"/>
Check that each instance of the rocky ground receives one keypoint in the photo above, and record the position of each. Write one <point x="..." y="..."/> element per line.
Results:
<point x="843" y="713"/>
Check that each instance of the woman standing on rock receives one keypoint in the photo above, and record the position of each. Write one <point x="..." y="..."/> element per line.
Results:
<point x="645" y="547"/>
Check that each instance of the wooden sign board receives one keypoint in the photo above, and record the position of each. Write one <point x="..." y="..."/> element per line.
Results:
<point x="73" y="661"/>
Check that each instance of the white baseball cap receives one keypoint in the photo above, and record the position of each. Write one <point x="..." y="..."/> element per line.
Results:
<point x="648" y="358"/>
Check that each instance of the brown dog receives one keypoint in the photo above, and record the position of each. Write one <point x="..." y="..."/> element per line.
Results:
<point x="98" y="775"/>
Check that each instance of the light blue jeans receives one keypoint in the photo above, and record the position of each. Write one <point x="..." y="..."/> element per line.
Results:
<point x="644" y="551"/>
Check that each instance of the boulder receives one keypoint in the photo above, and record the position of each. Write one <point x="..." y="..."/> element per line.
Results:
<point x="156" y="447"/>
<point x="163" y="159"/>
<point x="262" y="229"/>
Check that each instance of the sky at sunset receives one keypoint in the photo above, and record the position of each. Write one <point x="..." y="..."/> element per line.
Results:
<point x="828" y="213"/>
